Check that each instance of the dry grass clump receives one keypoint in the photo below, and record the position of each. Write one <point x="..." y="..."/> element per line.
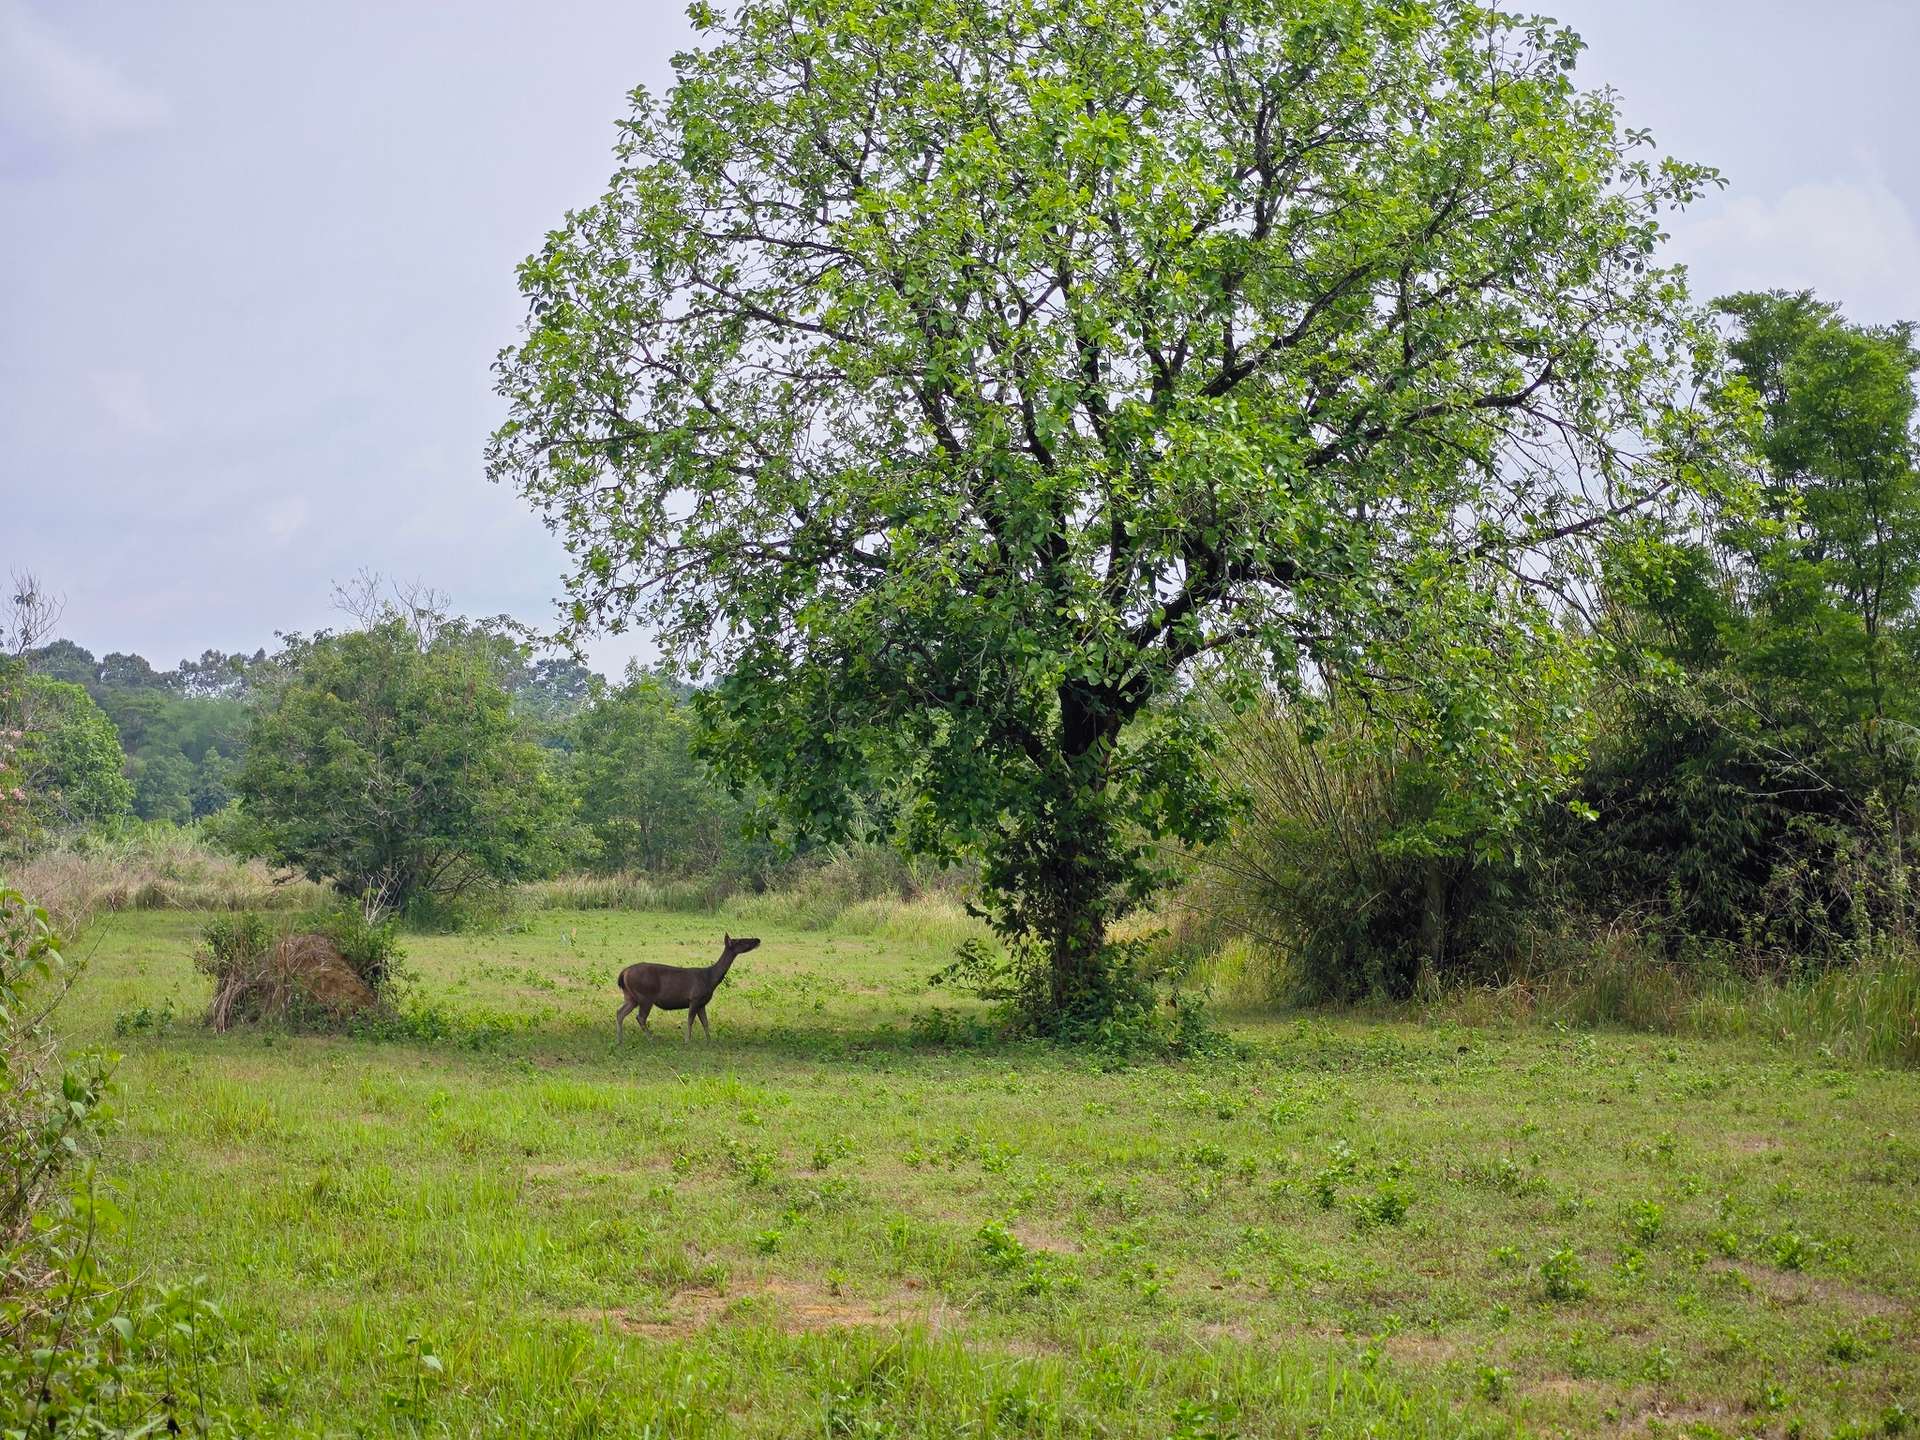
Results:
<point x="260" y="975"/>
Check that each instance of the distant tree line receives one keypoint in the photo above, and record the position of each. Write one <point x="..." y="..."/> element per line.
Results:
<point x="413" y="754"/>
<point x="183" y="731"/>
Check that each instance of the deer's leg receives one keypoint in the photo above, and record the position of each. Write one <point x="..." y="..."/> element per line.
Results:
<point x="620" y="1022"/>
<point x="706" y="1029"/>
<point x="646" y="1009"/>
<point x="690" y="1014"/>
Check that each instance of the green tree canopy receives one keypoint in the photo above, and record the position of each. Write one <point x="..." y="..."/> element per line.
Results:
<point x="68" y="755"/>
<point x="163" y="788"/>
<point x="390" y="762"/>
<point x="1737" y="795"/>
<point x="952" y="375"/>
<point x="648" y="802"/>
<point x="1833" y="576"/>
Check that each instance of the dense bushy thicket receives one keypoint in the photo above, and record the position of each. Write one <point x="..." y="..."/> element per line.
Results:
<point x="1730" y="778"/>
<point x="1757" y="785"/>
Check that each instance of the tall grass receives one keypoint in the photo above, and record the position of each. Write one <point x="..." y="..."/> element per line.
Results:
<point x="1866" y="1012"/>
<point x="869" y="889"/>
<point x="154" y="866"/>
<point x="629" y="890"/>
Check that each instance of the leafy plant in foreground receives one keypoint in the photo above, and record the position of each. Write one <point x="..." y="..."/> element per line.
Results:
<point x="79" y="1353"/>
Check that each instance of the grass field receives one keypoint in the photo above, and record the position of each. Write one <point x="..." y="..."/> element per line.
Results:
<point x="823" y="1223"/>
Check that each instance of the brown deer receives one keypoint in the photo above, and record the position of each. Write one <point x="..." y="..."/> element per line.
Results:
<point x="676" y="987"/>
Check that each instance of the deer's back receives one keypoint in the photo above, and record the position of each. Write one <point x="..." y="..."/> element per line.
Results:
<point x="671" y="987"/>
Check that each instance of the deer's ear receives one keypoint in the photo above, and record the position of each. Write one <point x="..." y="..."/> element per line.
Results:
<point x="725" y="938"/>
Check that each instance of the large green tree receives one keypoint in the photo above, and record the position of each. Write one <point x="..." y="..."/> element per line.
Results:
<point x="1831" y="582"/>
<point x="951" y="375"/>
<point x="69" y="759"/>
<point x="391" y="763"/>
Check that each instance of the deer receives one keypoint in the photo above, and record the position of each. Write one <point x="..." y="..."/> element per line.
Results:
<point x="676" y="987"/>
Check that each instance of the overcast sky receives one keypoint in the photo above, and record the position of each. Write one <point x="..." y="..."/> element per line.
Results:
<point x="255" y="261"/>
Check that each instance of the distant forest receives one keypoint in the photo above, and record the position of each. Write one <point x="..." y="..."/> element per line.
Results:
<point x="184" y="730"/>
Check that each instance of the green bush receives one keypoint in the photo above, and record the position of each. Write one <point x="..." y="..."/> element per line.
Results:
<point x="1120" y="1012"/>
<point x="1360" y="866"/>
<point x="232" y="943"/>
<point x="371" y="946"/>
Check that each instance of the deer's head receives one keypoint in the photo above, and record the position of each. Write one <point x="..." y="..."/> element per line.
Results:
<point x="729" y="948"/>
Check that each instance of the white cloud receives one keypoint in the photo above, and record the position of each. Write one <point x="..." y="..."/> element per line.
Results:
<point x="1854" y="241"/>
<point x="50" y="90"/>
<point x="284" y="519"/>
<point x="126" y="401"/>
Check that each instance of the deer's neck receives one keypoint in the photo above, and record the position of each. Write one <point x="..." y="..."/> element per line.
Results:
<point x="717" y="971"/>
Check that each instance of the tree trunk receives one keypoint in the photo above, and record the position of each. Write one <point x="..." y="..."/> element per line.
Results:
<point x="1433" y="925"/>
<point x="1082" y="865"/>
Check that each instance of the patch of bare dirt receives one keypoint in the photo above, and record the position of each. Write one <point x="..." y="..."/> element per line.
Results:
<point x="1661" y="1418"/>
<point x="1420" y="1348"/>
<point x="1035" y="1238"/>
<point x="1787" y="1287"/>
<point x="806" y="1307"/>
<point x="794" y="1306"/>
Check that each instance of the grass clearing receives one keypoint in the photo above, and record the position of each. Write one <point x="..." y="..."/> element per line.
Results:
<point x="815" y="1225"/>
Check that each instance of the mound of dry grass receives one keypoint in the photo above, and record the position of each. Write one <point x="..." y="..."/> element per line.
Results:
<point x="292" y="976"/>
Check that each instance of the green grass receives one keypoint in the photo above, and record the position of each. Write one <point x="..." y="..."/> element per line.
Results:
<point x="816" y="1226"/>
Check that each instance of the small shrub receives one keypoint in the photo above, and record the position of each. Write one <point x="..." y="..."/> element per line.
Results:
<point x="230" y="943"/>
<point x="829" y="1151"/>
<point x="1846" y="1347"/>
<point x="1387" y="1205"/>
<point x="1118" y="1014"/>
<point x="1563" y="1276"/>
<point x="371" y="946"/>
<point x="1644" y="1221"/>
<point x="1001" y="1247"/>
<point x="947" y="1029"/>
<point x="1036" y="1272"/>
<point x="1659" y="1366"/>
<point x="1790" y="1250"/>
<point x="145" y="1020"/>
